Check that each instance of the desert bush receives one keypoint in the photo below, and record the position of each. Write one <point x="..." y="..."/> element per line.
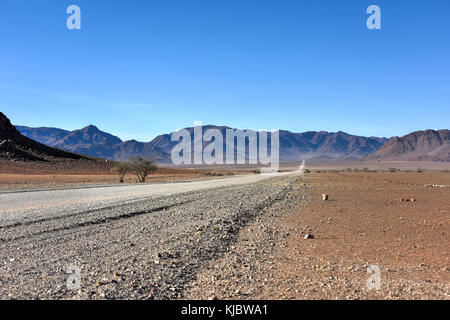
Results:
<point x="142" y="168"/>
<point x="307" y="171"/>
<point x="420" y="170"/>
<point x="122" y="168"/>
<point x="348" y="169"/>
<point x="365" y="170"/>
<point x="393" y="170"/>
<point x="214" y="174"/>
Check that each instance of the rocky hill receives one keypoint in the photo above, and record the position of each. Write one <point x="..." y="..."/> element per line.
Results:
<point x="15" y="146"/>
<point x="428" y="145"/>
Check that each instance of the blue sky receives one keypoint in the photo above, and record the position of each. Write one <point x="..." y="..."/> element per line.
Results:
<point x="140" y="68"/>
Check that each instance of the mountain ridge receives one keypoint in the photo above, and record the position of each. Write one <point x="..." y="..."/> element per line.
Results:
<point x="426" y="145"/>
<point x="92" y="141"/>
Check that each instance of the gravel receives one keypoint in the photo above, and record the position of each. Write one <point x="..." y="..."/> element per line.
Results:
<point x="143" y="248"/>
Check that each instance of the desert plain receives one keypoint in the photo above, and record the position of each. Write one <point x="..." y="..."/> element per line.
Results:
<point x="276" y="239"/>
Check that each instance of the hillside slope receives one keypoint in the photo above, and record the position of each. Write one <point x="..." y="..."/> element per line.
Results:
<point x="15" y="146"/>
<point x="428" y="145"/>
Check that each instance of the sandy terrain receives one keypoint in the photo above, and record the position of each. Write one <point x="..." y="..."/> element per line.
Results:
<point x="363" y="223"/>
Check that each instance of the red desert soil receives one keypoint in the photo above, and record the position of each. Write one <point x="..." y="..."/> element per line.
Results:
<point x="21" y="174"/>
<point x="364" y="222"/>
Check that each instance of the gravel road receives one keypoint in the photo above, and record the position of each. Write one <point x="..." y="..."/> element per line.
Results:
<point x="139" y="242"/>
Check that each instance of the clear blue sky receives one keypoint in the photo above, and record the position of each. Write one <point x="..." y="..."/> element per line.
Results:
<point x="140" y="68"/>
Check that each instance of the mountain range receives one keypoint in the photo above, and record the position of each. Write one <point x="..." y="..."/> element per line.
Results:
<point x="428" y="145"/>
<point x="93" y="142"/>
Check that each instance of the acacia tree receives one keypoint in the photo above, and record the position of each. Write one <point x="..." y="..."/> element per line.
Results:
<point x="122" y="168"/>
<point x="142" y="167"/>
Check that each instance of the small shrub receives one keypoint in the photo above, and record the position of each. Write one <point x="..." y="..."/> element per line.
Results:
<point x="215" y="174"/>
<point x="122" y="168"/>
<point x="142" y="168"/>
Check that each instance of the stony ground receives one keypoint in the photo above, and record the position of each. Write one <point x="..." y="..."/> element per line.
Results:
<point x="275" y="239"/>
<point x="144" y="249"/>
<point x="369" y="220"/>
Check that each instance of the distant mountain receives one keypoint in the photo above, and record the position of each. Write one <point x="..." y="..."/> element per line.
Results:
<point x="296" y="146"/>
<point x="324" y="146"/>
<point x="15" y="146"/>
<point x="293" y="146"/>
<point x="93" y="142"/>
<point x="89" y="141"/>
<point x="47" y="136"/>
<point x="132" y="148"/>
<point x="428" y="145"/>
<point x="328" y="144"/>
<point x="89" y="135"/>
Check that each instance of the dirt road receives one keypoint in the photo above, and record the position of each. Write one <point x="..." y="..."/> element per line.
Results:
<point x="30" y="205"/>
<point x="138" y="242"/>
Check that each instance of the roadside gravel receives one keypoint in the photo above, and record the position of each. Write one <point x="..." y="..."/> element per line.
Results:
<point x="150" y="248"/>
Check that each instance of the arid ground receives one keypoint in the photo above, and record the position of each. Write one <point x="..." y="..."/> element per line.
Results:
<point x="274" y="238"/>
<point x="390" y="220"/>
<point x="20" y="175"/>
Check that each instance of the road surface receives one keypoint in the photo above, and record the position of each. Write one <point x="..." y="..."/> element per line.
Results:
<point x="134" y="241"/>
